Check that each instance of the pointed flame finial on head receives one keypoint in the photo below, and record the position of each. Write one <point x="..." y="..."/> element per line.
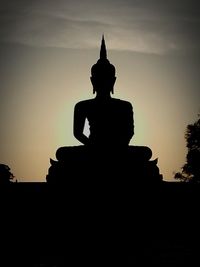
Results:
<point x="103" y="52"/>
<point x="103" y="67"/>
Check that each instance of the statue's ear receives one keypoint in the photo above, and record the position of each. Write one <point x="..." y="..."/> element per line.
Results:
<point x="112" y="90"/>
<point x="92" y="81"/>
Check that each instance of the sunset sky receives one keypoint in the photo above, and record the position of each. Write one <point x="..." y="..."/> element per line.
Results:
<point x="47" y="48"/>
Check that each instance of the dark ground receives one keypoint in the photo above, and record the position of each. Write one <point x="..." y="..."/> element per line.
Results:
<point x="106" y="223"/>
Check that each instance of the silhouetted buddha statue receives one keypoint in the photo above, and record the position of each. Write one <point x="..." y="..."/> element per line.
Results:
<point x="110" y="120"/>
<point x="111" y="127"/>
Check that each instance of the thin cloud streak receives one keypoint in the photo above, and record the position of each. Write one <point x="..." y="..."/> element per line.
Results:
<point x="139" y="26"/>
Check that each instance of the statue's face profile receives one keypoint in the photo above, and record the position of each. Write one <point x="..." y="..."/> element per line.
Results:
<point x="103" y="84"/>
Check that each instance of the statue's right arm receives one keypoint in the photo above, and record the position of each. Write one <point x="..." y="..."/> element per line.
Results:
<point x="79" y="123"/>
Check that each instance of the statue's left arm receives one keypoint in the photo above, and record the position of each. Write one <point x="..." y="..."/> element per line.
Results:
<point x="130" y="130"/>
<point x="79" y="123"/>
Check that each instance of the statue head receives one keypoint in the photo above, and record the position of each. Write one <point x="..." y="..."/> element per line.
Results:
<point x="103" y="73"/>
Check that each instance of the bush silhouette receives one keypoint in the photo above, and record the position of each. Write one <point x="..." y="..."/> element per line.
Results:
<point x="6" y="176"/>
<point x="191" y="169"/>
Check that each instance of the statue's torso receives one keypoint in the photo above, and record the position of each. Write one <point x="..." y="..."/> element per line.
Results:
<point x="110" y="121"/>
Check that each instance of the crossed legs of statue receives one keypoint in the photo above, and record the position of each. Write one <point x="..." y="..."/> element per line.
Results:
<point x="138" y="153"/>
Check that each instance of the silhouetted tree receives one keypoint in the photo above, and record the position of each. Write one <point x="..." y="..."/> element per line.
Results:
<point x="6" y="176"/>
<point x="191" y="169"/>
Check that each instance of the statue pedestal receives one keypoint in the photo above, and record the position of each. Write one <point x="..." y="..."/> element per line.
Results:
<point x="89" y="165"/>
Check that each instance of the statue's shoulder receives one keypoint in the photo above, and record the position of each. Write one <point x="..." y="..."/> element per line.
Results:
<point x="122" y="102"/>
<point x="84" y="103"/>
